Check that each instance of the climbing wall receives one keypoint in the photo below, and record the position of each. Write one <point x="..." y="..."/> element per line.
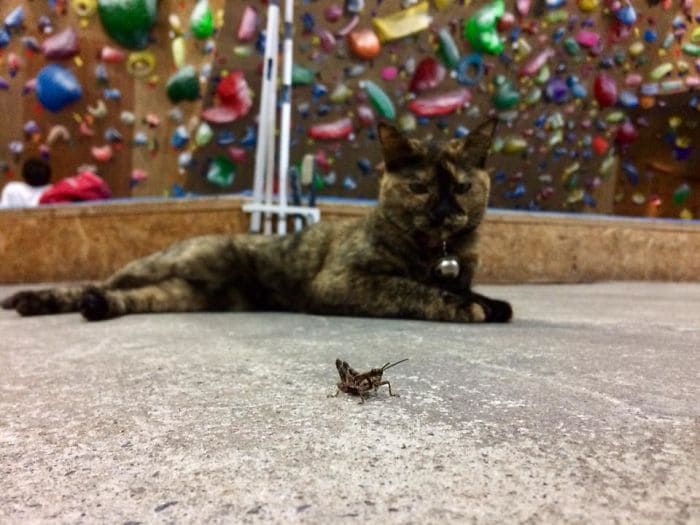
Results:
<point x="574" y="84"/>
<point x="86" y="82"/>
<point x="162" y="95"/>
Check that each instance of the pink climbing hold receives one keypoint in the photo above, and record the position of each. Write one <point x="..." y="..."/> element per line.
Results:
<point x="219" y="115"/>
<point x="429" y="73"/>
<point x="390" y="73"/>
<point x="588" y="38"/>
<point x="534" y="65"/>
<point x="339" y="129"/>
<point x="102" y="153"/>
<point x="332" y="13"/>
<point x="442" y="104"/>
<point x="522" y="7"/>
<point x="365" y="115"/>
<point x="112" y="55"/>
<point x="237" y="154"/>
<point x="605" y="90"/>
<point x="633" y="79"/>
<point x="246" y="27"/>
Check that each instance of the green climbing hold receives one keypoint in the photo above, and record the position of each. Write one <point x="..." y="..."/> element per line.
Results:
<point x="380" y="100"/>
<point x="448" y="50"/>
<point x="204" y="134"/>
<point x="221" y="171"/>
<point x="691" y="49"/>
<point x="661" y="71"/>
<point x="572" y="47"/>
<point x="481" y="31"/>
<point x="128" y="21"/>
<point x="681" y="194"/>
<point x="202" y="20"/>
<point x="302" y="76"/>
<point x="183" y="85"/>
<point x="506" y="96"/>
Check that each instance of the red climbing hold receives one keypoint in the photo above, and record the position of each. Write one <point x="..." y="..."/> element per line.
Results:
<point x="442" y="104"/>
<point x="339" y="129"/>
<point x="429" y="74"/>
<point x="605" y="90"/>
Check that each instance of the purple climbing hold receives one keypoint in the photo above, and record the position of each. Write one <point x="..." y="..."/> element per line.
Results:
<point x="556" y="91"/>
<point x="4" y="84"/>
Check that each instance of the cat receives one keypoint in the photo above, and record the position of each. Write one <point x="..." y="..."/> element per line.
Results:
<point x="412" y="257"/>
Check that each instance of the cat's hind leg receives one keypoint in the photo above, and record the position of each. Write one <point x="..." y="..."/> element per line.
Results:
<point x="45" y="302"/>
<point x="171" y="295"/>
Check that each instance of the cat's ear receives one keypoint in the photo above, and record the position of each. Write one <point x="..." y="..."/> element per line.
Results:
<point x="397" y="149"/>
<point x="474" y="148"/>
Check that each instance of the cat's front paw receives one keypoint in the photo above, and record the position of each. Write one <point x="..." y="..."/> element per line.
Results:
<point x="498" y="311"/>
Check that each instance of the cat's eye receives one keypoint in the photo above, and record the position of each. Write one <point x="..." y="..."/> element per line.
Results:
<point x="418" y="187"/>
<point x="462" y="187"/>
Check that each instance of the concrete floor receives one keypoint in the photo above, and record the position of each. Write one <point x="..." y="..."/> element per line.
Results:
<point x="584" y="410"/>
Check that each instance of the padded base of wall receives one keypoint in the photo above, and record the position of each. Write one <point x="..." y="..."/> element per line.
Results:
<point x="84" y="242"/>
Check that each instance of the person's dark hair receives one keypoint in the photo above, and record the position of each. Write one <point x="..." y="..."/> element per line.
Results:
<point x="36" y="171"/>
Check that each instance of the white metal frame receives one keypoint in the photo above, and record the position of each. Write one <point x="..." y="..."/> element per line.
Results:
<point x="264" y="205"/>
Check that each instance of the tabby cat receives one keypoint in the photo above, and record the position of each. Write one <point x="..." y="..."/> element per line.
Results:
<point x="412" y="257"/>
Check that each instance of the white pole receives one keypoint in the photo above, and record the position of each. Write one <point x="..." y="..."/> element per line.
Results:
<point x="268" y="84"/>
<point x="286" y="122"/>
<point x="273" y="42"/>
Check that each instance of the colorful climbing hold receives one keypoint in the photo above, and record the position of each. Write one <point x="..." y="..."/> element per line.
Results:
<point x="247" y="25"/>
<point x="470" y="69"/>
<point x="57" y="87"/>
<point x="442" y="104"/>
<point x="480" y="28"/>
<point x="183" y="85"/>
<point x="403" y="23"/>
<point x="202" y="20"/>
<point x="221" y="171"/>
<point x="605" y="90"/>
<point x="379" y="99"/>
<point x="339" y="129"/>
<point x="364" y="43"/>
<point x="447" y="48"/>
<point x="62" y="45"/>
<point x="429" y="74"/>
<point x="128" y="21"/>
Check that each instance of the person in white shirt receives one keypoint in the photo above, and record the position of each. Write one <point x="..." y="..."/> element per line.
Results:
<point x="36" y="173"/>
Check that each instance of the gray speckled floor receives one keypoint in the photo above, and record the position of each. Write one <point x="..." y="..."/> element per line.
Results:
<point x="585" y="409"/>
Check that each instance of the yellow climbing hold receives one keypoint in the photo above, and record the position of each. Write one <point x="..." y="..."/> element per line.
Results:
<point x="637" y="48"/>
<point x="587" y="5"/>
<point x="84" y="8"/>
<point x="140" y="63"/>
<point x="403" y="23"/>
<point x="178" y="49"/>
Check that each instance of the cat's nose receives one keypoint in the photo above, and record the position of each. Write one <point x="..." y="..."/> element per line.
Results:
<point x="441" y="212"/>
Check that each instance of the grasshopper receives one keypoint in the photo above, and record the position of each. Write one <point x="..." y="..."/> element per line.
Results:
<point x="352" y="382"/>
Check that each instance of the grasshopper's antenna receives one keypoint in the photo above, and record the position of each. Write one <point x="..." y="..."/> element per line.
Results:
<point x="389" y="365"/>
